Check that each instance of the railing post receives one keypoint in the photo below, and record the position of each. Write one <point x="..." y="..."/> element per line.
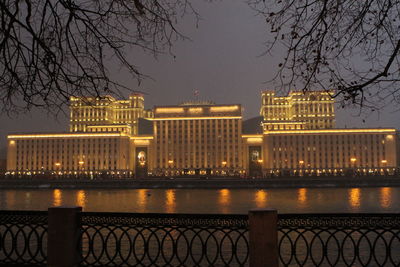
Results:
<point x="63" y="236"/>
<point x="263" y="238"/>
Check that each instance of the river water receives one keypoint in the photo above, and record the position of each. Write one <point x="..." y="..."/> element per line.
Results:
<point x="224" y="201"/>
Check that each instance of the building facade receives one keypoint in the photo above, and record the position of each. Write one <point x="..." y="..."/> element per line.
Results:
<point x="297" y="136"/>
<point x="106" y="114"/>
<point x="298" y="110"/>
<point x="198" y="139"/>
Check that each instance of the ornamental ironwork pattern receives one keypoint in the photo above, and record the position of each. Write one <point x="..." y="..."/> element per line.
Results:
<point x="164" y="239"/>
<point x="339" y="239"/>
<point x="23" y="238"/>
<point x="119" y="239"/>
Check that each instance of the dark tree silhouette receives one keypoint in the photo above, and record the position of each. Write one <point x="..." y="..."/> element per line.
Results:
<point x="52" y="49"/>
<point x="350" y="46"/>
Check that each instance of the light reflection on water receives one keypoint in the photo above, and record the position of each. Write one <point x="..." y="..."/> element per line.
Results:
<point x="291" y="200"/>
<point x="170" y="204"/>
<point x="141" y="200"/>
<point x="81" y="198"/>
<point x="355" y="198"/>
<point x="302" y="197"/>
<point x="261" y="198"/>
<point x="57" y="197"/>
<point x="224" y="200"/>
<point x="385" y="197"/>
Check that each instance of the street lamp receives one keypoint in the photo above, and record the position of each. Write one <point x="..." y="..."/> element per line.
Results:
<point x="170" y="163"/>
<point x="58" y="164"/>
<point x="81" y="162"/>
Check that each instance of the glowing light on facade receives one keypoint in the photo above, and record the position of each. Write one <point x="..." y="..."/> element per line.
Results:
<point x="184" y="142"/>
<point x="254" y="140"/>
<point x="224" y="109"/>
<point x="195" y="110"/>
<point x="196" y="118"/>
<point x="30" y="136"/>
<point x="330" y="131"/>
<point x="169" y="110"/>
<point x="139" y="142"/>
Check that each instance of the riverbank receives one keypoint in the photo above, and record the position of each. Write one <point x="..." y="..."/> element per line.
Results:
<point x="200" y="183"/>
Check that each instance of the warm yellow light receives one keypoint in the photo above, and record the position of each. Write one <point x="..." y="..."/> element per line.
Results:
<point x="195" y="110"/>
<point x="302" y="196"/>
<point x="141" y="142"/>
<point x="170" y="201"/>
<point x="327" y="131"/>
<point x="224" y="163"/>
<point x="389" y="137"/>
<point x="142" y="137"/>
<point x="109" y="126"/>
<point x="355" y="197"/>
<point x="260" y="161"/>
<point x="81" y="198"/>
<point x="169" y="110"/>
<point x="384" y="161"/>
<point x="57" y="197"/>
<point x="301" y="161"/>
<point x="252" y="136"/>
<point x="253" y="140"/>
<point x="65" y="135"/>
<point x="261" y="198"/>
<point x="224" y="198"/>
<point x="353" y="160"/>
<point x="385" y="197"/>
<point x="224" y="108"/>
<point x="81" y="162"/>
<point x="57" y="164"/>
<point x="12" y="142"/>
<point x="170" y="161"/>
<point x="194" y="118"/>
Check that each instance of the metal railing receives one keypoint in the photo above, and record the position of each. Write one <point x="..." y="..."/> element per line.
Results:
<point x="206" y="240"/>
<point x="164" y="239"/>
<point x="23" y="238"/>
<point x="339" y="239"/>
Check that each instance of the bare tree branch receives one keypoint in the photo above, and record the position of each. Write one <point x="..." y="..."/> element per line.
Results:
<point x="350" y="46"/>
<point x="53" y="49"/>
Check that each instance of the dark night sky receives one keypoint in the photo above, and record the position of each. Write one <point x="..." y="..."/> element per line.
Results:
<point x="222" y="61"/>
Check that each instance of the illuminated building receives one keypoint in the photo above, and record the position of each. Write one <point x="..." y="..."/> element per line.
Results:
<point x="330" y="151"/>
<point x="299" y="138"/>
<point x="68" y="153"/>
<point x="295" y="135"/>
<point x="198" y="139"/>
<point x="298" y="110"/>
<point x="106" y="114"/>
